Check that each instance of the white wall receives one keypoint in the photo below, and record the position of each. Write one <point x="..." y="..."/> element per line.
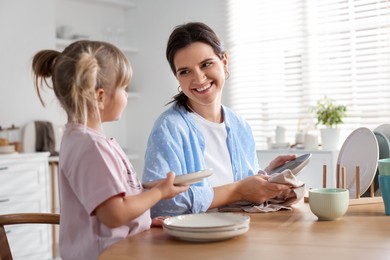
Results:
<point x="27" y="26"/>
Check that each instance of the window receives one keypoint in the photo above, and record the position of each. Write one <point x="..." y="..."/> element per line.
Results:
<point x="287" y="54"/>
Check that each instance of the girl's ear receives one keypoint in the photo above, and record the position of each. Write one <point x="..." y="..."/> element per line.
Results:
<point x="100" y="95"/>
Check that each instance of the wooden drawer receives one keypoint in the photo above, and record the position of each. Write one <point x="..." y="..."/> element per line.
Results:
<point x="19" y="179"/>
<point x="29" y="202"/>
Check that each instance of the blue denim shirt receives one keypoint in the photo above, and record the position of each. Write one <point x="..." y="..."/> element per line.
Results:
<point x="176" y="144"/>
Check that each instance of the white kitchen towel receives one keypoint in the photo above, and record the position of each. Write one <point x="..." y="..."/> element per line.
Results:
<point x="283" y="201"/>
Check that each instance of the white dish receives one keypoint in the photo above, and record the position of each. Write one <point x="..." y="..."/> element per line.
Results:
<point x="206" y="236"/>
<point x="296" y="165"/>
<point x="359" y="149"/>
<point x="206" y="227"/>
<point x="184" y="179"/>
<point x="213" y="220"/>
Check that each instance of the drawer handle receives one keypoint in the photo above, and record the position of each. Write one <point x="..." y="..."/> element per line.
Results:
<point x="4" y="200"/>
<point x="3" y="168"/>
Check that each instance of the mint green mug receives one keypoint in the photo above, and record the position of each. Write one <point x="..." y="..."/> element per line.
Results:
<point x="384" y="166"/>
<point x="384" y="184"/>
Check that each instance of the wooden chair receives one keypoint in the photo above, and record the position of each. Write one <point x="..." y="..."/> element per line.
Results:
<point x="21" y="218"/>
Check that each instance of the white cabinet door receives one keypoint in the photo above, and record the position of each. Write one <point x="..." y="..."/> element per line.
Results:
<point x="24" y="187"/>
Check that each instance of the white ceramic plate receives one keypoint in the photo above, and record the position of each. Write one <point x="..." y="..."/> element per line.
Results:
<point x="206" y="236"/>
<point x="359" y="149"/>
<point x="296" y="165"/>
<point x="207" y="226"/>
<point x="214" y="220"/>
<point x="184" y="179"/>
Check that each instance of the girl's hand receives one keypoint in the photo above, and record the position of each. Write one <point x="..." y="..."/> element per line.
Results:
<point x="168" y="189"/>
<point x="280" y="160"/>
<point x="158" y="221"/>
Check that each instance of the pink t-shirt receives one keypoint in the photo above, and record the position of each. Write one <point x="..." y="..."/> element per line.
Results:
<point x="92" y="169"/>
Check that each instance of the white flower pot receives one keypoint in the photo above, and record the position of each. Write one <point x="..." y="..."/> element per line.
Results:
<point x="330" y="138"/>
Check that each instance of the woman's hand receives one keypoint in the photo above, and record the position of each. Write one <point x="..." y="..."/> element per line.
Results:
<point x="280" y="160"/>
<point x="168" y="189"/>
<point x="257" y="189"/>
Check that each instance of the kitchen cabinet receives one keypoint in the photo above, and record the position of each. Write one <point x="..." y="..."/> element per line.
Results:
<point x="106" y="20"/>
<point x="24" y="187"/>
<point x="312" y="174"/>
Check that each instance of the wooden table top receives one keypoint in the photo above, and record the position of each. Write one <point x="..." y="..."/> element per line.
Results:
<point x="363" y="233"/>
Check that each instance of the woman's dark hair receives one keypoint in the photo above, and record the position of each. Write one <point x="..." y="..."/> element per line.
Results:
<point x="182" y="36"/>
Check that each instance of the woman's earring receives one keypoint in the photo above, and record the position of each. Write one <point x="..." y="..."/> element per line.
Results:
<point x="179" y="89"/>
<point x="227" y="75"/>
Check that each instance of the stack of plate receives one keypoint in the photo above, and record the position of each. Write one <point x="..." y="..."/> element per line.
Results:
<point x="205" y="227"/>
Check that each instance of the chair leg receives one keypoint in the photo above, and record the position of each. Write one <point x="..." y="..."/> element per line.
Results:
<point x="5" y="251"/>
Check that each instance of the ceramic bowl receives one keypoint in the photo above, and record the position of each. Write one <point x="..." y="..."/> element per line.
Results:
<point x="328" y="203"/>
<point x="384" y="166"/>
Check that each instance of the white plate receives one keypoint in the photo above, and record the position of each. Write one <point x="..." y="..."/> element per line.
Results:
<point x="296" y="165"/>
<point x="206" y="236"/>
<point x="184" y="179"/>
<point x="214" y="220"/>
<point x="205" y="227"/>
<point x="359" y="149"/>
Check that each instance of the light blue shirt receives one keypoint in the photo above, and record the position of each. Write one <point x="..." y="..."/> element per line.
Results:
<point x="176" y="144"/>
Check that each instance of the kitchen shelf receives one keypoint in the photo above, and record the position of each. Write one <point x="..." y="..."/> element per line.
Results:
<point x="120" y="3"/>
<point x="62" y="43"/>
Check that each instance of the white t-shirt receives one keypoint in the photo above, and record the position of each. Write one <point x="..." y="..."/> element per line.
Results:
<point x="92" y="169"/>
<point x="216" y="152"/>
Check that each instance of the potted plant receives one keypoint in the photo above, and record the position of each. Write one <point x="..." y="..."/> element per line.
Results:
<point x="329" y="115"/>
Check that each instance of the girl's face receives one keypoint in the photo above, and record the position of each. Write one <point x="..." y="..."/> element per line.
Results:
<point x="201" y="74"/>
<point x="114" y="104"/>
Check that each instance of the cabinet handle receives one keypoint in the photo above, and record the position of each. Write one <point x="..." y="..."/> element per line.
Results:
<point x="4" y="200"/>
<point x="3" y="168"/>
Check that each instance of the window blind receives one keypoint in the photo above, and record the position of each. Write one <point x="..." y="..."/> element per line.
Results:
<point x="287" y="54"/>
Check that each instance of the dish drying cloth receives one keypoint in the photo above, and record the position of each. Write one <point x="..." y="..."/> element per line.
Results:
<point x="44" y="137"/>
<point x="283" y="201"/>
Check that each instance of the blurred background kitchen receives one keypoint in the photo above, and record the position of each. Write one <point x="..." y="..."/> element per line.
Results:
<point x="284" y="57"/>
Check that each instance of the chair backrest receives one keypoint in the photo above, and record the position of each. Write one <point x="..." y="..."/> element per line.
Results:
<point x="21" y="218"/>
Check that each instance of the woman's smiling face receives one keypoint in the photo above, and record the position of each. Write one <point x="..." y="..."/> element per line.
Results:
<point x="201" y="74"/>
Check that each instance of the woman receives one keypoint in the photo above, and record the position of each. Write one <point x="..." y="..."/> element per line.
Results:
<point x="198" y="132"/>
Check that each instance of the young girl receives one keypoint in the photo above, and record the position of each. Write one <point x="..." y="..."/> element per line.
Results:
<point x="101" y="198"/>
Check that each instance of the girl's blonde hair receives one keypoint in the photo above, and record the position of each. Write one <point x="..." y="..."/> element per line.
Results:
<point x="76" y="73"/>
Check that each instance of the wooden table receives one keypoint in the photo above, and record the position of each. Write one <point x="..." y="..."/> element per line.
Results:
<point x="363" y="233"/>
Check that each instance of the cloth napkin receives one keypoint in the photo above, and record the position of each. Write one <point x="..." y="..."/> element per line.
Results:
<point x="280" y="202"/>
<point x="45" y="139"/>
